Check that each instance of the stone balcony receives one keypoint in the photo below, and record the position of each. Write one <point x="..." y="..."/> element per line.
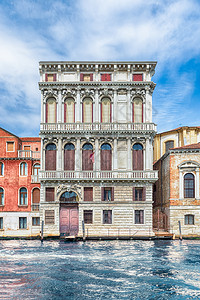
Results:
<point x="29" y="154"/>
<point x="99" y="175"/>
<point x="97" y="127"/>
<point x="35" y="179"/>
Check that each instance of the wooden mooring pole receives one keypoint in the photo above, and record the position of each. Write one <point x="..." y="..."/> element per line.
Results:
<point x="180" y="234"/>
<point x="42" y="231"/>
<point x="83" y="226"/>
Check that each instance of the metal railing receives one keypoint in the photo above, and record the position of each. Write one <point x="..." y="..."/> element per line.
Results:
<point x="96" y="175"/>
<point x="29" y="154"/>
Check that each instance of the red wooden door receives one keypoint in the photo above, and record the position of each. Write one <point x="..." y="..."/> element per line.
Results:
<point x="87" y="164"/>
<point x="106" y="160"/>
<point x="69" y="220"/>
<point x="69" y="160"/>
<point x="137" y="159"/>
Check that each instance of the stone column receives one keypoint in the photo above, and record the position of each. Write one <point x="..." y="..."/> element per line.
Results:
<point x="129" y="165"/>
<point x="115" y="106"/>
<point x="148" y="163"/>
<point x="197" y="184"/>
<point x="78" y="107"/>
<point x="78" y="155"/>
<point x="59" y="155"/>
<point x="115" y="155"/>
<point x="96" y="156"/>
<point x="59" y="107"/>
<point x="129" y="110"/>
<point x="148" y="110"/>
<point x="96" y="107"/>
<point x="42" y="154"/>
<point x="42" y="110"/>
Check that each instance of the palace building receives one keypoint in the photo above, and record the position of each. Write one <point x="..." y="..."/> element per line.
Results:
<point x="97" y="148"/>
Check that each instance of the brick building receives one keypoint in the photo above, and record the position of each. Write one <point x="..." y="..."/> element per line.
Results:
<point x="177" y="192"/>
<point x="19" y="185"/>
<point x="97" y="148"/>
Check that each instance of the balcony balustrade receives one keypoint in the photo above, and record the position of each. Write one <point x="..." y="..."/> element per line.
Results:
<point x="96" y="127"/>
<point x="35" y="179"/>
<point x="99" y="175"/>
<point x="29" y="154"/>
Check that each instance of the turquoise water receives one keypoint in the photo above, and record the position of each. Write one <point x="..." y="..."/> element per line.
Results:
<point x="100" y="270"/>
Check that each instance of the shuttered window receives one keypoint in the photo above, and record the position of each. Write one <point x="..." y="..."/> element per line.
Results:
<point x="137" y="157"/>
<point x="69" y="111"/>
<point x="189" y="186"/>
<point x="106" y="157"/>
<point x="50" y="194"/>
<point x="88" y="216"/>
<point x="137" y="110"/>
<point x="50" y="77"/>
<point x="107" y="216"/>
<point x="49" y="217"/>
<point x="36" y="196"/>
<point x="51" y="111"/>
<point x="87" y="157"/>
<point x="86" y="77"/>
<point x="88" y="194"/>
<point x="107" y="194"/>
<point x="169" y="145"/>
<point x="87" y="110"/>
<point x="1" y="196"/>
<point x="137" y="77"/>
<point x="139" y="194"/>
<point x="1" y="169"/>
<point x="69" y="157"/>
<point x="105" y="77"/>
<point x="10" y="146"/>
<point x="23" y="196"/>
<point x="105" y="110"/>
<point x="50" y="157"/>
<point x="139" y="217"/>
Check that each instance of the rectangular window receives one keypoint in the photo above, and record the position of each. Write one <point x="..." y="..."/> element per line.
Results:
<point x="169" y="145"/>
<point x="22" y="223"/>
<point x="10" y="146"/>
<point x="107" y="216"/>
<point x="35" y="221"/>
<point x="86" y="77"/>
<point x="49" y="217"/>
<point x="50" y="77"/>
<point x="1" y="169"/>
<point x="189" y="219"/>
<point x="139" y="194"/>
<point x="49" y="194"/>
<point x="139" y="217"/>
<point x="105" y="77"/>
<point x="107" y="194"/>
<point x="88" y="216"/>
<point x="88" y="194"/>
<point x="137" y="77"/>
<point x="1" y="223"/>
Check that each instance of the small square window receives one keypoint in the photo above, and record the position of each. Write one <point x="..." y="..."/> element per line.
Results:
<point x="49" y="194"/>
<point x="107" y="216"/>
<point x="189" y="219"/>
<point x="35" y="221"/>
<point x="50" y="77"/>
<point x="1" y="223"/>
<point x="107" y="194"/>
<point x="138" y="194"/>
<point x="88" y="216"/>
<point x="137" y="77"/>
<point x="139" y="217"/>
<point x="106" y="77"/>
<point x="10" y="146"/>
<point x="22" y="223"/>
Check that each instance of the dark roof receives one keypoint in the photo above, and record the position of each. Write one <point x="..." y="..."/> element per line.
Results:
<point x="191" y="146"/>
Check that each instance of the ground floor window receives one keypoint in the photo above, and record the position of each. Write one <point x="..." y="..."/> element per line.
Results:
<point x="49" y="217"/>
<point x="139" y="217"/>
<point x="22" y="223"/>
<point x="107" y="216"/>
<point x="189" y="219"/>
<point x="88" y="216"/>
<point x="35" y="221"/>
<point x="1" y="223"/>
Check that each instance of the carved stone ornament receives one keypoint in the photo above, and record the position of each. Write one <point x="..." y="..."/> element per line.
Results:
<point x="69" y="92"/>
<point x="87" y="92"/>
<point x="138" y="92"/>
<point x="69" y="188"/>
<point x="50" y="92"/>
<point x="105" y="92"/>
<point x="50" y="140"/>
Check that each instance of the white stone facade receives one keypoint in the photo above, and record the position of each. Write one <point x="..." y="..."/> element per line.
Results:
<point x="118" y="115"/>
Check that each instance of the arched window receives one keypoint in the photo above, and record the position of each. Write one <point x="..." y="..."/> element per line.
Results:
<point x="137" y="157"/>
<point x="50" y="157"/>
<point x="51" y="110"/>
<point x="189" y="191"/>
<point x="69" y="196"/>
<point x="1" y="169"/>
<point x="87" y="110"/>
<point x="87" y="157"/>
<point x="69" y="157"/>
<point x="35" y="196"/>
<point x="69" y="110"/>
<point x="36" y="169"/>
<point x="137" y="110"/>
<point x="106" y="110"/>
<point x="23" y="196"/>
<point x="1" y="196"/>
<point x="106" y="157"/>
<point x="23" y="169"/>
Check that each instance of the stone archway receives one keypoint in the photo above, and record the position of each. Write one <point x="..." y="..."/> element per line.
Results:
<point x="69" y="214"/>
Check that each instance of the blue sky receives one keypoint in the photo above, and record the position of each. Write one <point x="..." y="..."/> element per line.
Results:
<point x="164" y="31"/>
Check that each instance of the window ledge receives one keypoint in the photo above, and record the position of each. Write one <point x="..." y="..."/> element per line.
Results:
<point x="23" y="205"/>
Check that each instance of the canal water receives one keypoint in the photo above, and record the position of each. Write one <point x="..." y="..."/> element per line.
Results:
<point x="100" y="270"/>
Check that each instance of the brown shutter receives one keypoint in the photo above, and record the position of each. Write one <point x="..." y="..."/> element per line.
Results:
<point x="36" y="196"/>
<point x="102" y="194"/>
<point x="112" y="194"/>
<point x="109" y="216"/>
<point x="141" y="217"/>
<point x="144" y="194"/>
<point x="54" y="77"/>
<point x="50" y="160"/>
<point x="69" y="160"/>
<point x="137" y="159"/>
<point x="133" y="193"/>
<point x="88" y="194"/>
<point x="106" y="160"/>
<point x="81" y="77"/>
<point x="46" y="77"/>
<point x="65" y="106"/>
<point x="49" y="217"/>
<point x="87" y="164"/>
<point x="91" y="77"/>
<point x="49" y="194"/>
<point x="137" y="77"/>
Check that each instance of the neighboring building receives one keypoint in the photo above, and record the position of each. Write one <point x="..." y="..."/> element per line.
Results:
<point x="177" y="192"/>
<point x="97" y="148"/>
<point x="178" y="137"/>
<point x="19" y="185"/>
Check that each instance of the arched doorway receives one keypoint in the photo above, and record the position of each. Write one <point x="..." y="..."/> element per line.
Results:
<point x="69" y="215"/>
